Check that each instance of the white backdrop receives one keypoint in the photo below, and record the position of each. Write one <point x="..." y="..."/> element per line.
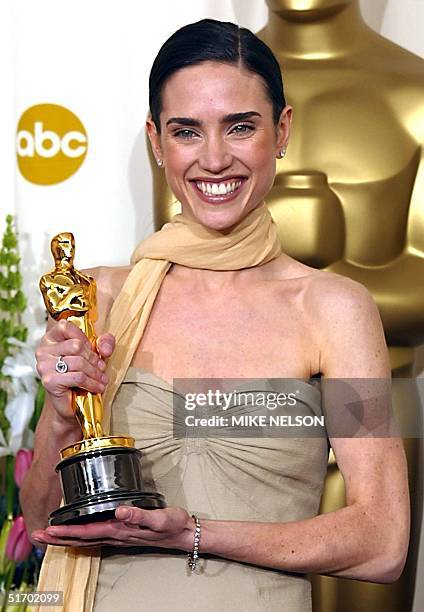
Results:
<point x="94" y="58"/>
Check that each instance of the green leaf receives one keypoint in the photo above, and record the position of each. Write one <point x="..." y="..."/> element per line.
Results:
<point x="9" y="240"/>
<point x="20" y="333"/>
<point x="39" y="403"/>
<point x="20" y="301"/>
<point x="4" y="423"/>
<point x="4" y="304"/>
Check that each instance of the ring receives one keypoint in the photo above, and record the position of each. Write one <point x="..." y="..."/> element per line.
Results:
<point x="61" y="366"/>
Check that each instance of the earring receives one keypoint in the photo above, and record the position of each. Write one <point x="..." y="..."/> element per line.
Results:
<point x="281" y="153"/>
<point x="159" y="162"/>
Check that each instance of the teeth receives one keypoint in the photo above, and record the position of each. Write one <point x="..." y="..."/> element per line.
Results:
<point x="218" y="188"/>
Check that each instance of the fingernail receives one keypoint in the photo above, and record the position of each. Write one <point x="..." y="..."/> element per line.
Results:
<point x="123" y="513"/>
<point x="51" y="530"/>
<point x="101" y="365"/>
<point x="104" y="379"/>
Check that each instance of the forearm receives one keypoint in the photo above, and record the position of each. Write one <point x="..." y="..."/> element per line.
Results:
<point x="40" y="492"/>
<point x="349" y="543"/>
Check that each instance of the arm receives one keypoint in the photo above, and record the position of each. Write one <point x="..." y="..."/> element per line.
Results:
<point x="40" y="493"/>
<point x="366" y="540"/>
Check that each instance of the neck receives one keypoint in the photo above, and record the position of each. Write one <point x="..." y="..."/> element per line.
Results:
<point x="211" y="281"/>
<point x="206" y="280"/>
<point x="319" y="35"/>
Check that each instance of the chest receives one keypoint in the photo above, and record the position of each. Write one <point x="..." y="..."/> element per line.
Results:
<point x="253" y="333"/>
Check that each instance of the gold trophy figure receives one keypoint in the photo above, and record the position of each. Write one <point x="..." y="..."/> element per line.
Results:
<point x="99" y="472"/>
<point x="69" y="294"/>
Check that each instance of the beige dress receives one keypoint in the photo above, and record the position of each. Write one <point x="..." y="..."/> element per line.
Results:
<point x="267" y="479"/>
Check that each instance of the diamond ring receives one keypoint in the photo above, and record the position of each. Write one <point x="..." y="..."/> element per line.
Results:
<point x="61" y="366"/>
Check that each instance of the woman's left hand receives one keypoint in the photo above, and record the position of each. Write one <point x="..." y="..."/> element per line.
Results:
<point x="166" y="528"/>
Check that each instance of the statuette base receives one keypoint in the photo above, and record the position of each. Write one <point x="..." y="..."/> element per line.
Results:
<point x="95" y="482"/>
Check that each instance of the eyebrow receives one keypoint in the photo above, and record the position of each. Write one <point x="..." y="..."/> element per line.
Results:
<point x="226" y="119"/>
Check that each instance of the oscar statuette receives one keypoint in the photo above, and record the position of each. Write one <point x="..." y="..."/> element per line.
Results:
<point x="98" y="473"/>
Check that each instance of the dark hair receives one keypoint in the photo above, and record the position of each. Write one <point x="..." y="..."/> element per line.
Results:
<point x="217" y="41"/>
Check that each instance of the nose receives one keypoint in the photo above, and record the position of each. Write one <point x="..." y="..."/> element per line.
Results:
<point x="215" y="155"/>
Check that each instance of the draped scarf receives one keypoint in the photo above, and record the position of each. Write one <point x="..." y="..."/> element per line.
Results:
<point x="252" y="242"/>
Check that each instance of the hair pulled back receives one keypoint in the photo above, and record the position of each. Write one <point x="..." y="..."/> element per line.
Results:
<point x="217" y="41"/>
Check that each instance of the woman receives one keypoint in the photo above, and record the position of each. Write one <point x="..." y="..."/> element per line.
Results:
<point x="224" y="302"/>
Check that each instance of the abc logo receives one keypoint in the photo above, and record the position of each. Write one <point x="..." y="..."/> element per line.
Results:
<point x="51" y="144"/>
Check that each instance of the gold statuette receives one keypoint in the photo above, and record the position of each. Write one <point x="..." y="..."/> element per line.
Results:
<point x="99" y="472"/>
<point x="71" y="295"/>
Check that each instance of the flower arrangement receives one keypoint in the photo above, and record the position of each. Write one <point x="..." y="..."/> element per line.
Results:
<point x="21" y="401"/>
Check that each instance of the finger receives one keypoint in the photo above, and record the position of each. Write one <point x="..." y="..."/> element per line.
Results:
<point x="65" y="330"/>
<point x="75" y="535"/>
<point x="56" y="383"/>
<point x="80" y="364"/>
<point x="106" y="345"/>
<point x="90" y="531"/>
<point x="155" y="520"/>
<point x="130" y="515"/>
<point x="92" y="366"/>
<point x="51" y="541"/>
<point x="74" y="346"/>
<point x="113" y="533"/>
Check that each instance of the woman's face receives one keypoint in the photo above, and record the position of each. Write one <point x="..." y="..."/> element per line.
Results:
<point x="218" y="141"/>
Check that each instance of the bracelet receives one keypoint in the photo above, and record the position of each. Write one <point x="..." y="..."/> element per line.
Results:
<point x="194" y="556"/>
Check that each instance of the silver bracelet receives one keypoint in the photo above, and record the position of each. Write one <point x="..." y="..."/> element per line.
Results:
<point x="194" y="556"/>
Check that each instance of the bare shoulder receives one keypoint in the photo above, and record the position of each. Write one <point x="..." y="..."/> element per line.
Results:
<point x="329" y="293"/>
<point x="348" y="325"/>
<point x="324" y="293"/>
<point x="109" y="281"/>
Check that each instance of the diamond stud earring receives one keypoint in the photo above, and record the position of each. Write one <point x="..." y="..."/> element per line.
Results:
<point x="281" y="153"/>
<point x="159" y="162"/>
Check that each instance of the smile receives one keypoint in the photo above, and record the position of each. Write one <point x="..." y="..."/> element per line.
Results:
<point x="218" y="192"/>
<point x="218" y="188"/>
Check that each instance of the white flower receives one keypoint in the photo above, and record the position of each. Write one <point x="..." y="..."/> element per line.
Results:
<point x="21" y="367"/>
<point x="21" y="397"/>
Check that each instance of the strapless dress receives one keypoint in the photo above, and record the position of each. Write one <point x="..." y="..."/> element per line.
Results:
<point x="266" y="479"/>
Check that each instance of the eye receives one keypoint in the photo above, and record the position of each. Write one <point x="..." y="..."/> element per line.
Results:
<point x="185" y="134"/>
<point x="242" y="129"/>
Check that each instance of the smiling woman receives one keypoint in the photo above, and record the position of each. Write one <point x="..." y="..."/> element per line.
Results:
<point x="219" y="118"/>
<point x="215" y="158"/>
<point x="195" y="303"/>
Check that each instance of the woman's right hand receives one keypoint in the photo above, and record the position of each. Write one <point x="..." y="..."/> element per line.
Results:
<point x="86" y="367"/>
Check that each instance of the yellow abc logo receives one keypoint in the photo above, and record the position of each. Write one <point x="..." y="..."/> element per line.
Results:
<point x="51" y="144"/>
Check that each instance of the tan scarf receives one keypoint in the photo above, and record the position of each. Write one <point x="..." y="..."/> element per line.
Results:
<point x="253" y="242"/>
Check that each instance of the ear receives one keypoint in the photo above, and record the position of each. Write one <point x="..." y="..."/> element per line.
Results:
<point x="283" y="128"/>
<point x="154" y="137"/>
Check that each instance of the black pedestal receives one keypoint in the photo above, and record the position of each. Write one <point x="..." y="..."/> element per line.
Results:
<point x="94" y="483"/>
